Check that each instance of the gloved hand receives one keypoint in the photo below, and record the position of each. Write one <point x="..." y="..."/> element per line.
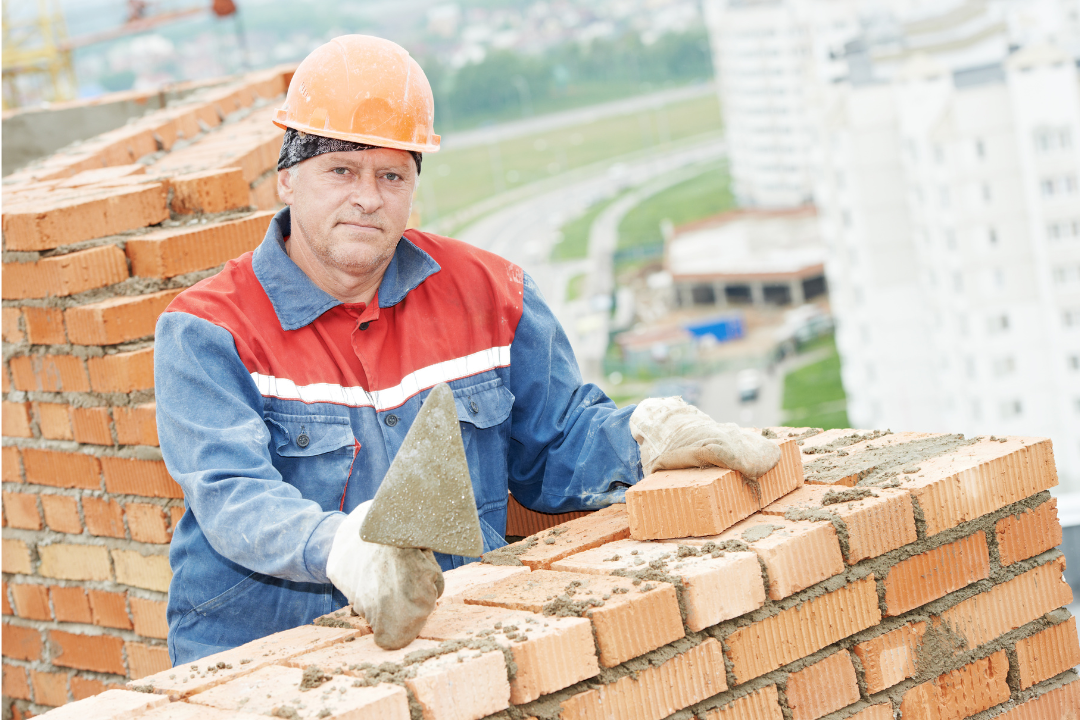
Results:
<point x="674" y="435"/>
<point x="395" y="589"/>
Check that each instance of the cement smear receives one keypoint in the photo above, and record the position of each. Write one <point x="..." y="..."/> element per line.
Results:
<point x="881" y="466"/>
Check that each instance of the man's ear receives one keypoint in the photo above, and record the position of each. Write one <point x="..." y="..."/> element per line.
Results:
<point x="284" y="186"/>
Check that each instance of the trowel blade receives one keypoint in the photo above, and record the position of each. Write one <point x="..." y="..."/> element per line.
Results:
<point x="426" y="499"/>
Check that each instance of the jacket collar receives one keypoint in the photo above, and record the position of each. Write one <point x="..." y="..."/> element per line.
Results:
<point x="298" y="301"/>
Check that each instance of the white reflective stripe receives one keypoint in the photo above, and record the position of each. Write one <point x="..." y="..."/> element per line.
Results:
<point x="411" y="384"/>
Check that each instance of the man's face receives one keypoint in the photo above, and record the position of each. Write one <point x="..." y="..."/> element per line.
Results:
<point x="349" y="209"/>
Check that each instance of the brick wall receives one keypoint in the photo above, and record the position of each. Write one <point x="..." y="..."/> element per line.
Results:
<point x="905" y="575"/>
<point x="98" y="238"/>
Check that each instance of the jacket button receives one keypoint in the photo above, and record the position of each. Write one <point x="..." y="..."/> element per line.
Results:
<point x="303" y="440"/>
<point x="364" y="325"/>
<point x="474" y="407"/>
<point x="391" y="420"/>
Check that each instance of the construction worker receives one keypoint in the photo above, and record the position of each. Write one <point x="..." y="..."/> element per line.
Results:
<point x="286" y="383"/>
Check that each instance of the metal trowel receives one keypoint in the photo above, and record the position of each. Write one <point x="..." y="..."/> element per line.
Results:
<point x="426" y="499"/>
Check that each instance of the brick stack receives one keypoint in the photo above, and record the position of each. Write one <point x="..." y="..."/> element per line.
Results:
<point x="910" y="576"/>
<point x="98" y="238"/>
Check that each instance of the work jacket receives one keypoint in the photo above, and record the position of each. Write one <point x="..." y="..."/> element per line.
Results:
<point x="279" y="409"/>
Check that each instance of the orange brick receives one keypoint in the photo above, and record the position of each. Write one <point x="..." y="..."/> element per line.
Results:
<point x="12" y="466"/>
<point x="45" y="326"/>
<point x="785" y="477"/>
<point x="74" y="562"/>
<point x="890" y="658"/>
<point x="16" y="557"/>
<point x="150" y="572"/>
<point x="468" y="577"/>
<point x="71" y="604"/>
<point x="522" y="522"/>
<point x="654" y="692"/>
<point x="184" y="681"/>
<point x="804" y="629"/>
<point x="688" y="503"/>
<point x="212" y="191"/>
<point x="961" y="693"/>
<point x="5" y="380"/>
<point x="823" y="687"/>
<point x="1058" y="704"/>
<point x="122" y="372"/>
<point x="584" y="533"/>
<point x="149" y="617"/>
<point x="49" y="373"/>
<point x="22" y="511"/>
<point x="874" y="712"/>
<point x="54" y="420"/>
<point x="714" y="589"/>
<point x="136" y="425"/>
<point x="167" y="253"/>
<point x="31" y="601"/>
<point x="109" y="705"/>
<point x="109" y="609"/>
<point x="47" y="224"/>
<point x="930" y="575"/>
<point x="16" y="420"/>
<point x="49" y="688"/>
<point x="65" y="274"/>
<point x="551" y="653"/>
<point x="874" y="524"/>
<point x="82" y="688"/>
<point x="61" y="469"/>
<point x="1028" y="533"/>
<point x="15" y="683"/>
<point x="145" y="659"/>
<point x="91" y="177"/>
<point x="5" y="607"/>
<point x="104" y="517"/>
<point x="147" y="478"/>
<point x="188" y="711"/>
<point x="264" y="196"/>
<point x="1007" y="606"/>
<point x="91" y="425"/>
<point x="116" y="320"/>
<point x="824" y="465"/>
<point x="618" y="622"/>
<point x="100" y="653"/>
<point x="763" y="704"/>
<point x="21" y="643"/>
<point x="12" y="333"/>
<point x="1047" y="653"/>
<point x="146" y="522"/>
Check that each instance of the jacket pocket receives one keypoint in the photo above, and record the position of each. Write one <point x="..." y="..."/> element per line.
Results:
<point x="307" y="435"/>
<point x="483" y="410"/>
<point x="313" y="453"/>
<point x="484" y="405"/>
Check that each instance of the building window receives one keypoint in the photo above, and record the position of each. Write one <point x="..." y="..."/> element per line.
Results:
<point x="992" y="236"/>
<point x="950" y="239"/>
<point x="980" y="149"/>
<point x="1074" y="362"/>
<point x="939" y="155"/>
<point x="986" y="192"/>
<point x="1011" y="409"/>
<point x="958" y="281"/>
<point x="1004" y="366"/>
<point x="1071" y="318"/>
<point x="1053" y="231"/>
<point x="1047" y="186"/>
<point x="703" y="295"/>
<point x="999" y="323"/>
<point x="971" y="368"/>
<point x="999" y="278"/>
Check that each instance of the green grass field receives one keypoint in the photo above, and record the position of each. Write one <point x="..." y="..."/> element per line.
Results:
<point x="455" y="179"/>
<point x="574" y="286"/>
<point x="575" y="234"/>
<point x="814" y="395"/>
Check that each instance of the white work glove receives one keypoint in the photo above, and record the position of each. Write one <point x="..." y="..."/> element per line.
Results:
<point x="395" y="589"/>
<point x="674" y="435"/>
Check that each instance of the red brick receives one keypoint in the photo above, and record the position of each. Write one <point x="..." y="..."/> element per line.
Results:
<point x="961" y="693"/>
<point x="1058" y="704"/>
<point x="823" y="687"/>
<point x="211" y="191"/>
<point x="21" y="643"/>
<point x="1047" y="653"/>
<point x="619" y="625"/>
<point x="109" y="609"/>
<point x="136" y="425"/>
<point x="12" y="466"/>
<point x="51" y="223"/>
<point x="12" y="333"/>
<point x="522" y="522"/>
<point x="31" y="601"/>
<point x="5" y="607"/>
<point x="74" y="562"/>
<point x="1008" y="605"/>
<point x="91" y="425"/>
<point x="22" y="511"/>
<point x="62" y="513"/>
<point x="883" y="711"/>
<point x="146" y="522"/>
<point x="167" y="253"/>
<point x="688" y="503"/>
<point x="49" y="373"/>
<point x="149" y="617"/>
<point x="122" y="372"/>
<point x="49" y="688"/>
<point x="82" y="688"/>
<point x="763" y="704"/>
<point x="587" y="532"/>
<point x="91" y="177"/>
<point x="100" y="653"/>
<point x="785" y="477"/>
<point x="823" y="464"/>
<point x="45" y="326"/>
<point x="930" y="575"/>
<point x="145" y="659"/>
<point x="111" y="705"/>
<point x="551" y="653"/>
<point x="16" y="557"/>
<point x="63" y="275"/>
<point x="804" y="629"/>
<point x="714" y="589"/>
<point x="61" y="469"/>
<point x="147" y="478"/>
<point x="16" y="684"/>
<point x="71" y="604"/>
<point x="54" y="420"/>
<point x="16" y="420"/>
<point x="116" y="320"/>
<point x="461" y="580"/>
<point x="890" y="658"/>
<point x="1028" y="533"/>
<point x="5" y="380"/>
<point x="104" y="517"/>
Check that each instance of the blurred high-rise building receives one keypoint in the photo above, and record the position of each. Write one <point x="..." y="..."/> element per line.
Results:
<point x="942" y="147"/>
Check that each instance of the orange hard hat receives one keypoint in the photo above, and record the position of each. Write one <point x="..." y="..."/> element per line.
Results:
<point x="363" y="89"/>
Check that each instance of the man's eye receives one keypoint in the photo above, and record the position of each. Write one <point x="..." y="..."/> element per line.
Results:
<point x="341" y="170"/>
<point x="392" y="176"/>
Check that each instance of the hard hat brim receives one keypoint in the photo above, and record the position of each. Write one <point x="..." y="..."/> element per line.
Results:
<point x="430" y="147"/>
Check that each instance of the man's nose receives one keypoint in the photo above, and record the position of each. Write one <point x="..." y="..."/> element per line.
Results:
<point x="366" y="193"/>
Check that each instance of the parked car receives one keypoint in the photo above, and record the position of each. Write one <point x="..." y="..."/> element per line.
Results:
<point x="748" y="384"/>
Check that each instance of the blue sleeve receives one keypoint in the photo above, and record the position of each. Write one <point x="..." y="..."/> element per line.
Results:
<point x="216" y="446"/>
<point x="571" y="448"/>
